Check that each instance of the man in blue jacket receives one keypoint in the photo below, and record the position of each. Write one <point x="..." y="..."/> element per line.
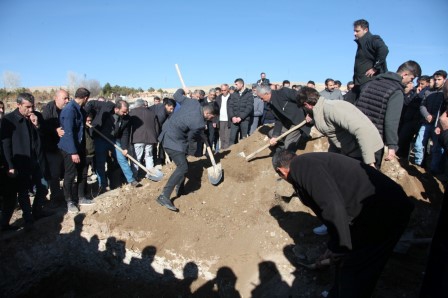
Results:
<point x="72" y="145"/>
<point x="187" y="123"/>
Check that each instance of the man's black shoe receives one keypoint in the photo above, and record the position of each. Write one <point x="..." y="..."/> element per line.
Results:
<point x="164" y="201"/>
<point x="135" y="183"/>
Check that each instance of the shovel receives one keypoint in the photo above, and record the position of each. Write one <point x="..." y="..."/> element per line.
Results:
<point x="294" y="128"/>
<point x="150" y="172"/>
<point x="214" y="172"/>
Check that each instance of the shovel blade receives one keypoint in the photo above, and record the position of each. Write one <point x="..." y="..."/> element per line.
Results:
<point x="215" y="174"/>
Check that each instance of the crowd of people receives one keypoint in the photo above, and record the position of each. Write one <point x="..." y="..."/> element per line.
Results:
<point x="72" y="138"/>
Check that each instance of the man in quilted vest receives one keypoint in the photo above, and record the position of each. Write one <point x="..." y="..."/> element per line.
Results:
<point x="381" y="100"/>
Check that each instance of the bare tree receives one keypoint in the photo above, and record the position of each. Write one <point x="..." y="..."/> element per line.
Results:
<point x="11" y="80"/>
<point x="73" y="81"/>
<point x="76" y="81"/>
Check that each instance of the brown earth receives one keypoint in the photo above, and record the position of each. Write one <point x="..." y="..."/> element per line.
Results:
<point x="236" y="237"/>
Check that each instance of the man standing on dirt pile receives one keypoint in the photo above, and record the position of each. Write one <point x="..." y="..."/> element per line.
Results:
<point x="283" y="104"/>
<point x="187" y="123"/>
<point x="349" y="197"/>
<point x="370" y="59"/>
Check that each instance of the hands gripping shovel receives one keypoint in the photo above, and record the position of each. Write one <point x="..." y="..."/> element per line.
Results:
<point x="215" y="171"/>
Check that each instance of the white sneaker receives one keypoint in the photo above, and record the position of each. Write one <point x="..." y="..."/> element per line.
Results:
<point x="320" y="230"/>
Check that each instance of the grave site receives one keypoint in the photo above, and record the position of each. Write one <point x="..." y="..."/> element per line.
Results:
<point x="248" y="236"/>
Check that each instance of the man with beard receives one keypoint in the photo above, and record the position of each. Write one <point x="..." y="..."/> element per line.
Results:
<point x="381" y="100"/>
<point x="239" y="109"/>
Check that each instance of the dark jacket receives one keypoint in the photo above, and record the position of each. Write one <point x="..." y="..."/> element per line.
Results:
<point x="161" y="115"/>
<point x="411" y="106"/>
<point x="143" y="126"/>
<point x="433" y="104"/>
<point x="21" y="143"/>
<point x="218" y="101"/>
<point x="381" y="100"/>
<point x="103" y="120"/>
<point x="371" y="53"/>
<point x="284" y="106"/>
<point x="122" y="130"/>
<point x="337" y="188"/>
<point x="264" y="82"/>
<point x="187" y="122"/>
<point x="240" y="105"/>
<point x="72" y="122"/>
<point x="51" y="113"/>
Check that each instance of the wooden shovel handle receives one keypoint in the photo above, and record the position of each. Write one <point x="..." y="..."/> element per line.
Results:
<point x="122" y="151"/>
<point x="278" y="138"/>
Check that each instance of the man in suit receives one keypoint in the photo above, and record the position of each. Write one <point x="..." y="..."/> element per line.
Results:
<point x="187" y="123"/>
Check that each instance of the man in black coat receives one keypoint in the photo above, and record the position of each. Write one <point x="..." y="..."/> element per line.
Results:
<point x="24" y="159"/>
<point x="283" y="104"/>
<point x="370" y="59"/>
<point x="365" y="212"/>
<point x="113" y="121"/>
<point x="239" y="109"/>
<point x="51" y="112"/>
<point x="188" y="122"/>
<point x="162" y="111"/>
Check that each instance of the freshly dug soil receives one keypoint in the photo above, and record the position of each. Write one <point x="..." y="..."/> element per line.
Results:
<point x="235" y="238"/>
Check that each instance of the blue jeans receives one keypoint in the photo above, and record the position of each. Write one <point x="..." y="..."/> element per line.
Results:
<point x="141" y="148"/>
<point x="427" y="131"/>
<point x="102" y="147"/>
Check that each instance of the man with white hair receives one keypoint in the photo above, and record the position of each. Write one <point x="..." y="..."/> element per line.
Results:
<point x="144" y="136"/>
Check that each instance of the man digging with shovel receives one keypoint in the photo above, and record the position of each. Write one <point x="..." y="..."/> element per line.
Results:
<point x="365" y="212"/>
<point x="284" y="107"/>
<point x="188" y="122"/>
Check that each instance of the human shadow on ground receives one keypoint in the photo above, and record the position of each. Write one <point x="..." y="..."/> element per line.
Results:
<point x="63" y="265"/>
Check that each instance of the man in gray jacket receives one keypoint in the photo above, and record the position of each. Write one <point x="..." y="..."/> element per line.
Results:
<point x="189" y="122"/>
<point x="349" y="131"/>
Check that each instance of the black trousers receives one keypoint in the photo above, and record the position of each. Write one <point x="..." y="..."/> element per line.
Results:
<point x="56" y="167"/>
<point x="73" y="170"/>
<point x="242" y="127"/>
<point x="178" y="176"/>
<point x="374" y="233"/>
<point x="406" y="133"/>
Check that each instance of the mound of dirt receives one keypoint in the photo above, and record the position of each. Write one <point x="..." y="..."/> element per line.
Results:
<point x="235" y="237"/>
